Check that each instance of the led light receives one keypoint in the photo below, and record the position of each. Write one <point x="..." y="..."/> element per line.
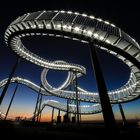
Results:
<point x="62" y="11"/>
<point x="92" y="17"/>
<point x="106" y="22"/>
<point x="112" y="25"/>
<point x="77" y="29"/>
<point x="96" y="35"/>
<point x="89" y="33"/>
<point x="107" y="41"/>
<point x="64" y="26"/>
<point x="69" y="27"/>
<point x="59" y="25"/>
<point x="33" y="26"/>
<point x="76" y="13"/>
<point x="99" y="19"/>
<point x="40" y="25"/>
<point x="48" y="25"/>
<point x="101" y="38"/>
<point x="84" y="15"/>
<point x="133" y="39"/>
<point x="69" y="12"/>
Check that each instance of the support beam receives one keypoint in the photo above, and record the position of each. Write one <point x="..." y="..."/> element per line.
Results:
<point x="40" y="113"/>
<point x="52" y="114"/>
<point x="37" y="101"/>
<point x="108" y="115"/>
<point x="68" y="107"/>
<point x="11" y="102"/>
<point x="8" y="81"/>
<point x="79" y="112"/>
<point x="80" y="118"/>
<point x="123" y="115"/>
<point x="39" y="108"/>
<point x="77" y="102"/>
<point x="58" y="117"/>
<point x="59" y="112"/>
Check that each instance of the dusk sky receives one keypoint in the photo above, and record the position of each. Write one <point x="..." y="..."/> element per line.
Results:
<point x="115" y="72"/>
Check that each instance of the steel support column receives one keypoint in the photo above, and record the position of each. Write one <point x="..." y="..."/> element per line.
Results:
<point x="108" y="115"/>
<point x="11" y="102"/>
<point x="122" y="114"/>
<point x="68" y="107"/>
<point x="9" y="79"/>
<point x="52" y="114"/>
<point x="79" y="112"/>
<point x="77" y="102"/>
<point x="40" y="113"/>
<point x="39" y="108"/>
<point x="37" y="101"/>
<point x="59" y="112"/>
<point x="58" y="117"/>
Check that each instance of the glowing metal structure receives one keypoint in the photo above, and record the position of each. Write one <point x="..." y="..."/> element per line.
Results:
<point x="83" y="28"/>
<point x="85" y="109"/>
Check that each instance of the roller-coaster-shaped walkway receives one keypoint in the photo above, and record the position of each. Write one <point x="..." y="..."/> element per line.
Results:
<point x="83" y="28"/>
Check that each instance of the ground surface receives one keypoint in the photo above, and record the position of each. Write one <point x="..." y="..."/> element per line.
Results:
<point x="67" y="131"/>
